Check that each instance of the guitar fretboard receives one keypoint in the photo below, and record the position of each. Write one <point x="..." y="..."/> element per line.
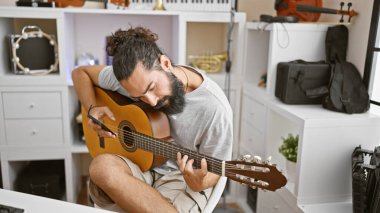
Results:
<point x="169" y="150"/>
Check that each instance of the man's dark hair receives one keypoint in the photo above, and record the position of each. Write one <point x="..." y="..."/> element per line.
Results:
<point x="128" y="47"/>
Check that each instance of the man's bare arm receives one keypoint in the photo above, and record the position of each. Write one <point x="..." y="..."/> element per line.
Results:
<point x="84" y="79"/>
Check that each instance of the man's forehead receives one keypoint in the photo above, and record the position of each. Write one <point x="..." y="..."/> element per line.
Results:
<point x="138" y="83"/>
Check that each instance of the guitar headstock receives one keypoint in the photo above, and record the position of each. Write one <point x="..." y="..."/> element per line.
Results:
<point x="255" y="172"/>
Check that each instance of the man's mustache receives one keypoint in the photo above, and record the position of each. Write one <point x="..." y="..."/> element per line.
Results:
<point x="161" y="102"/>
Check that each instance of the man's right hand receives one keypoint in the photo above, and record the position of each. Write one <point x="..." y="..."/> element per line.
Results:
<point x="99" y="113"/>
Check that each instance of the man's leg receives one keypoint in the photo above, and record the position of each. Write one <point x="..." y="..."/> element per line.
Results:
<point x="114" y="177"/>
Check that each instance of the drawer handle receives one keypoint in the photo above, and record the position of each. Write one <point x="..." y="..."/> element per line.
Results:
<point x="32" y="105"/>
<point x="34" y="132"/>
<point x="276" y="207"/>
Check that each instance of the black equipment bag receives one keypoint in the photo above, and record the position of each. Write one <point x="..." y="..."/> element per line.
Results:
<point x="336" y="43"/>
<point x="347" y="92"/>
<point x="301" y="82"/>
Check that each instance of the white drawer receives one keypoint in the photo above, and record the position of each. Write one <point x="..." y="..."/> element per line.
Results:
<point x="254" y="113"/>
<point x="32" y="104"/>
<point x="34" y="132"/>
<point x="252" y="141"/>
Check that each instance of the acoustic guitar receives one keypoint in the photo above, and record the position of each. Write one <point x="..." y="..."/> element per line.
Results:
<point x="141" y="137"/>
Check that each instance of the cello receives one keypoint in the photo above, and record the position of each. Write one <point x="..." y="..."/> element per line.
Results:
<point x="310" y="10"/>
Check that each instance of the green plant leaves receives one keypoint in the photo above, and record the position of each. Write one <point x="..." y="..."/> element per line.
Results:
<point x="289" y="147"/>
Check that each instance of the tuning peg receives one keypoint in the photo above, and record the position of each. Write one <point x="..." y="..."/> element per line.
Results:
<point x="341" y="9"/>
<point x="349" y="5"/>
<point x="257" y="159"/>
<point x="246" y="158"/>
<point x="267" y="161"/>
<point x="263" y="183"/>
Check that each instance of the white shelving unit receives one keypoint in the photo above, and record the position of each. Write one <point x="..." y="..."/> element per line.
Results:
<point x="43" y="108"/>
<point x="326" y="138"/>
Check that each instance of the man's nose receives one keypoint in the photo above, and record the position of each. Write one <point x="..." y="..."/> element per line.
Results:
<point x="151" y="99"/>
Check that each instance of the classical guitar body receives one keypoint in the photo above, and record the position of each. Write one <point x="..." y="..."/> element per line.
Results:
<point x="139" y="128"/>
<point x="130" y="118"/>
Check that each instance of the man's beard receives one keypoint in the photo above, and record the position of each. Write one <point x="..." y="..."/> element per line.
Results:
<point x="174" y="103"/>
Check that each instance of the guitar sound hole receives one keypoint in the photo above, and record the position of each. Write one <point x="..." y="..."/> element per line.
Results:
<point x="128" y="136"/>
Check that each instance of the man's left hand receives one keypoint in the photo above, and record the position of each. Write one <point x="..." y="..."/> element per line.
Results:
<point x="196" y="179"/>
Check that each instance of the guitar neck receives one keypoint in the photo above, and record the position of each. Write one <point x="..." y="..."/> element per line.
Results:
<point x="170" y="151"/>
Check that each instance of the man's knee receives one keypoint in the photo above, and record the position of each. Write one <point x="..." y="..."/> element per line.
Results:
<point x="105" y="167"/>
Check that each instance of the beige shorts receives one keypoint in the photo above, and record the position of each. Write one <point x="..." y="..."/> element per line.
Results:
<point x="172" y="186"/>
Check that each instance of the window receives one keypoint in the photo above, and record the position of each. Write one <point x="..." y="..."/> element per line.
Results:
<point x="372" y="64"/>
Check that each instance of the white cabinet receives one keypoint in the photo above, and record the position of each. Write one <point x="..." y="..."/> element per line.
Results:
<point x="326" y="138"/>
<point x="37" y="113"/>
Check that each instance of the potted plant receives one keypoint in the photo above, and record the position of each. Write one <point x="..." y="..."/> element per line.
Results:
<point x="289" y="149"/>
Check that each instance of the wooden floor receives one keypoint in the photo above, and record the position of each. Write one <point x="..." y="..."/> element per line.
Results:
<point x="229" y="208"/>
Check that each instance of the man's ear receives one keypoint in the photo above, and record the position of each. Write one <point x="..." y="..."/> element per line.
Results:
<point x="165" y="63"/>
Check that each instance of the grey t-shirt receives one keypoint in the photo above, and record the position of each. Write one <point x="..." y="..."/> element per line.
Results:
<point x="205" y="125"/>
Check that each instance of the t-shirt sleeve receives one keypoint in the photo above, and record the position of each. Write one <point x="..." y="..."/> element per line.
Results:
<point x="217" y="140"/>
<point x="107" y="80"/>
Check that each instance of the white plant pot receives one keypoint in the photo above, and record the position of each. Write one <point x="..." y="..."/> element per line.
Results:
<point x="291" y="170"/>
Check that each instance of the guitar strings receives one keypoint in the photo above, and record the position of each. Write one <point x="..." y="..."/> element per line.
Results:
<point x="212" y="162"/>
<point x="131" y="135"/>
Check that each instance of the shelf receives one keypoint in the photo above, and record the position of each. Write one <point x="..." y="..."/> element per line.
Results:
<point x="301" y="26"/>
<point x="30" y="12"/>
<point x="79" y="148"/>
<point x="311" y="115"/>
<point x="339" y="207"/>
<point x="317" y="116"/>
<point x="269" y="44"/>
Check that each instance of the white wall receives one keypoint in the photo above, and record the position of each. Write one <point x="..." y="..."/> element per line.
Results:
<point x="359" y="32"/>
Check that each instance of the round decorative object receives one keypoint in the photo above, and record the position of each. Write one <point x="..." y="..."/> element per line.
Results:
<point x="43" y="47"/>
